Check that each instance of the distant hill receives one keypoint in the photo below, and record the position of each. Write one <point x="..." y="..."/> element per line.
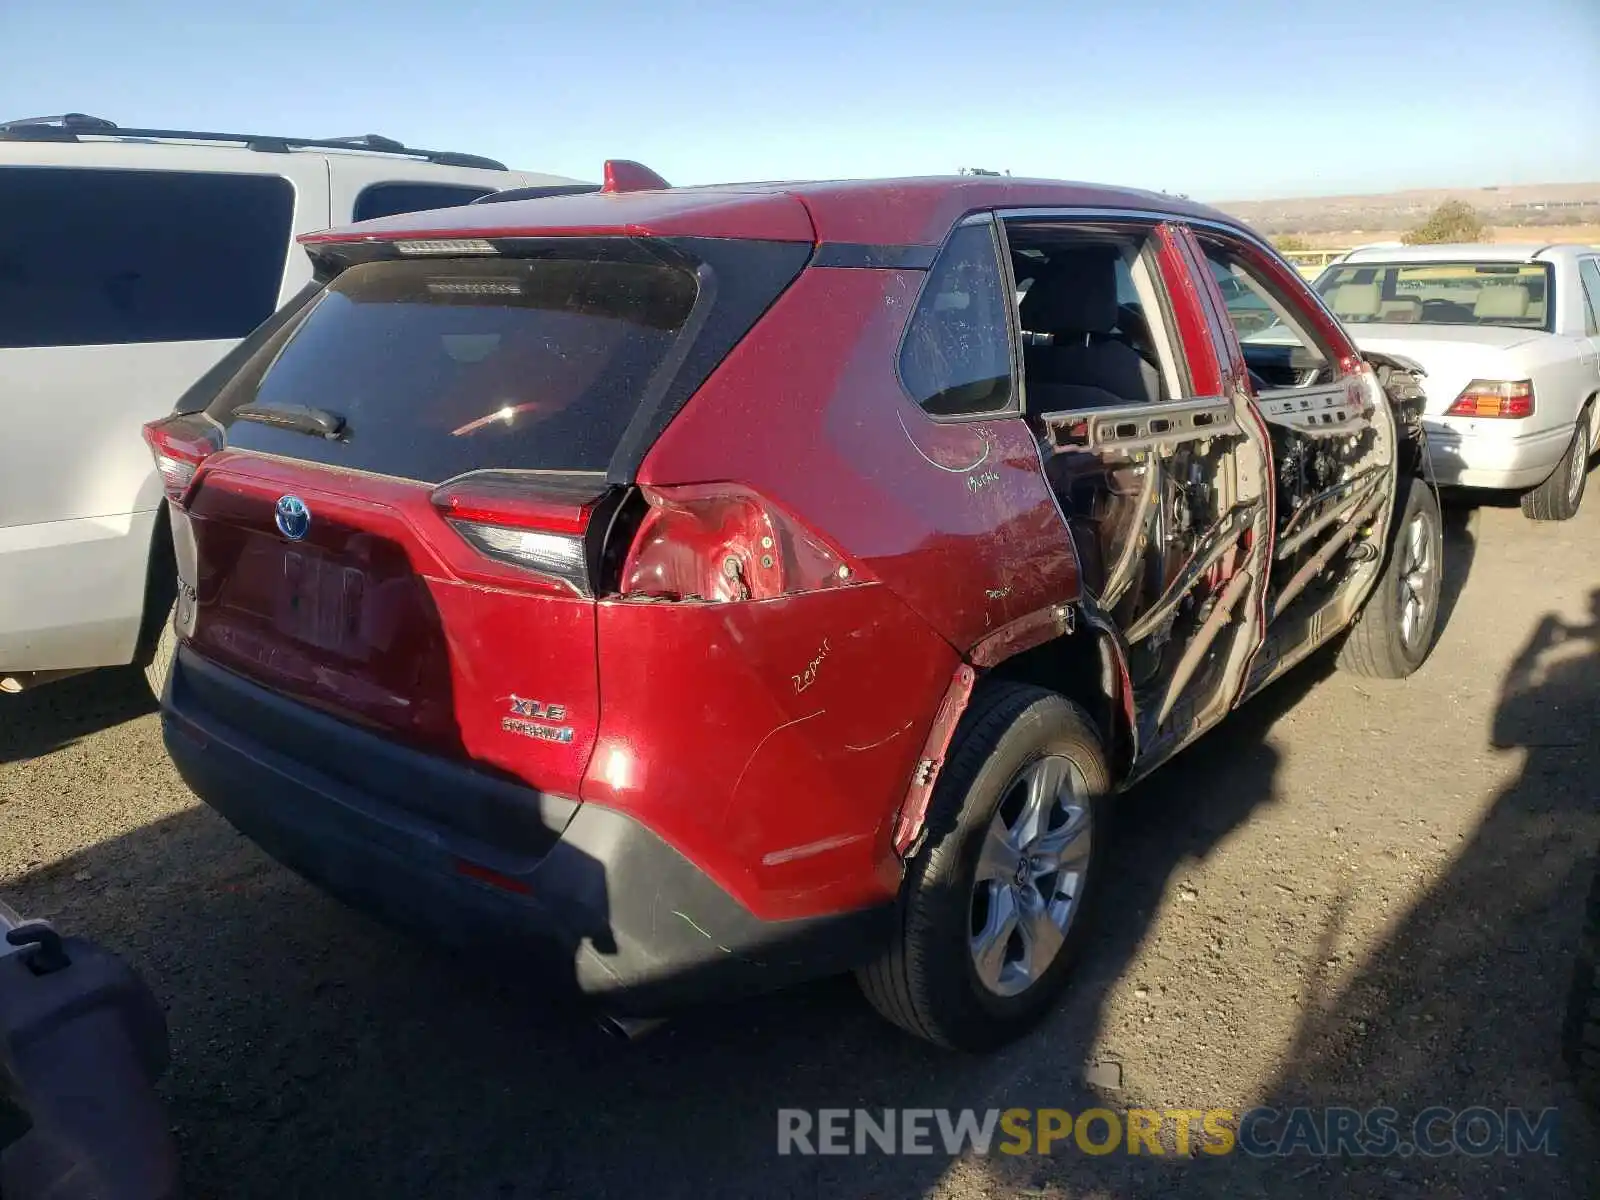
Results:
<point x="1532" y="205"/>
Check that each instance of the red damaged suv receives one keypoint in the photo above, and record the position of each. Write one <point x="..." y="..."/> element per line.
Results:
<point x="726" y="586"/>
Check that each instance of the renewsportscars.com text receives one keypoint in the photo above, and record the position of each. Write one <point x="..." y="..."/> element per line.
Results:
<point x="1258" y="1132"/>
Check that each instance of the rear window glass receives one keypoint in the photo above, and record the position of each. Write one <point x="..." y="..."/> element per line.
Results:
<point x="391" y="199"/>
<point x="956" y="358"/>
<point x="440" y="367"/>
<point x="94" y="257"/>
<point x="1442" y="293"/>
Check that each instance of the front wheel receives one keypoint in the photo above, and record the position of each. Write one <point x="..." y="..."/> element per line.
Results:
<point x="992" y="908"/>
<point x="1557" y="498"/>
<point x="1392" y="636"/>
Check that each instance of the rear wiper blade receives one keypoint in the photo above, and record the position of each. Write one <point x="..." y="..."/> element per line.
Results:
<point x="298" y="417"/>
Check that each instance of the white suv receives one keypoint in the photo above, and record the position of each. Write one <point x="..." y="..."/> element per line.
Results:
<point x="131" y="261"/>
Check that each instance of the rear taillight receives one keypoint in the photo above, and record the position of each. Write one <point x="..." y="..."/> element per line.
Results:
<point x="722" y="542"/>
<point x="1494" y="398"/>
<point x="180" y="444"/>
<point x="529" y="519"/>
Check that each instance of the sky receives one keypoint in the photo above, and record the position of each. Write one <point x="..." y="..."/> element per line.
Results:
<point x="1219" y="99"/>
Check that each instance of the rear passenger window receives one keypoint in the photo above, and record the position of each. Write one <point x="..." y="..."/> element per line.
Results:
<point x="106" y="257"/>
<point x="1589" y="277"/>
<point x="956" y="358"/>
<point x="391" y="199"/>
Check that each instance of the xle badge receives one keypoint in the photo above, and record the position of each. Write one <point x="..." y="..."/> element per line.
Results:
<point x="535" y="719"/>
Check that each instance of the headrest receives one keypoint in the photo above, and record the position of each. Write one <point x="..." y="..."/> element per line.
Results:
<point x="1402" y="310"/>
<point x="1077" y="294"/>
<point x="1502" y="300"/>
<point x="1356" y="299"/>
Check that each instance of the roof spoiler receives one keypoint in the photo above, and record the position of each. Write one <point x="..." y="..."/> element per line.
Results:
<point x="625" y="175"/>
<point x="621" y="175"/>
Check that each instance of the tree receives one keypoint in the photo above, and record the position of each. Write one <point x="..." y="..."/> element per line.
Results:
<point x="1288" y="243"/>
<point x="1452" y="221"/>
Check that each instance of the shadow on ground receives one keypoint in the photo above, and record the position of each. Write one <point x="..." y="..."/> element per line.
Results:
<point x="1461" y="1005"/>
<point x="55" y="715"/>
<point x="1460" y="550"/>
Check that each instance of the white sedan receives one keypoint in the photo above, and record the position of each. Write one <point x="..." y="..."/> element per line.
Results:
<point x="1510" y="338"/>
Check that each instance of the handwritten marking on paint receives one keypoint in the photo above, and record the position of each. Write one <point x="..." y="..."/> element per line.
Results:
<point x="976" y="483"/>
<point x="809" y="676"/>
<point x="999" y="593"/>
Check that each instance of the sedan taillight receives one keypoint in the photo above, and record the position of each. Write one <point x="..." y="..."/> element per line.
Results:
<point x="1494" y="398"/>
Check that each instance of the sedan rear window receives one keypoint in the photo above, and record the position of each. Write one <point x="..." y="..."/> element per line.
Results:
<point x="434" y="368"/>
<point x="1441" y="293"/>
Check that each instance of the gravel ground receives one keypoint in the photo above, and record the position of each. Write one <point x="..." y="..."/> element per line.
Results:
<point x="1352" y="893"/>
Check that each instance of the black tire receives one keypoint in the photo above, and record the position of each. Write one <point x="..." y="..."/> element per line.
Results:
<point x="927" y="982"/>
<point x="159" y="664"/>
<point x="1558" y="498"/>
<point x="1379" y="645"/>
<point x="1581" y="1032"/>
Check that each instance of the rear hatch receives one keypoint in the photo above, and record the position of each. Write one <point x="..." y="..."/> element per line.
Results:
<point x="403" y="520"/>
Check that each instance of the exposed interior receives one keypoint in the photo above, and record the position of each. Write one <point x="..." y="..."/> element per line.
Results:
<point x="1085" y="300"/>
<point x="1329" y="452"/>
<point x="1278" y="348"/>
<point x="1150" y="477"/>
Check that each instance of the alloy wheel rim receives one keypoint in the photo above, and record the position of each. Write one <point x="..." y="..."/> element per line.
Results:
<point x="1418" y="578"/>
<point x="1031" y="873"/>
<point x="1580" y="464"/>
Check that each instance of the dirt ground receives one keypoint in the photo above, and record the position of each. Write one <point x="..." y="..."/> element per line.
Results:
<point x="1350" y="894"/>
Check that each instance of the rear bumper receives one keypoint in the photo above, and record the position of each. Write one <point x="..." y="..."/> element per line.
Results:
<point x="611" y="908"/>
<point x="1493" y="454"/>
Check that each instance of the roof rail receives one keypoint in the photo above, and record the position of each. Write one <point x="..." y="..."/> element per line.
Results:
<point x="68" y="126"/>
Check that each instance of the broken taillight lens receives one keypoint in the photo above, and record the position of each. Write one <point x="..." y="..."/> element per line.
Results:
<point x="532" y="520"/>
<point x="722" y="542"/>
<point x="180" y="444"/>
<point x="1494" y="398"/>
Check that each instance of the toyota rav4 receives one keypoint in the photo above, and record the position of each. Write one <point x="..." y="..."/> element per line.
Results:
<point x="726" y="586"/>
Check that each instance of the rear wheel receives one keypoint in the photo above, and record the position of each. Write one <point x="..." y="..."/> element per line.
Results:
<point x="1557" y="498"/>
<point x="992" y="907"/>
<point x="159" y="665"/>
<point x="1392" y="636"/>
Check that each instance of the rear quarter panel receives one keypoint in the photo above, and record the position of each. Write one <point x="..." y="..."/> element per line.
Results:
<point x="951" y="523"/>
<point x="770" y="742"/>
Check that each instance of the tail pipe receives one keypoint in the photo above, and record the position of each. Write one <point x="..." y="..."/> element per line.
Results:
<point x="629" y="1029"/>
